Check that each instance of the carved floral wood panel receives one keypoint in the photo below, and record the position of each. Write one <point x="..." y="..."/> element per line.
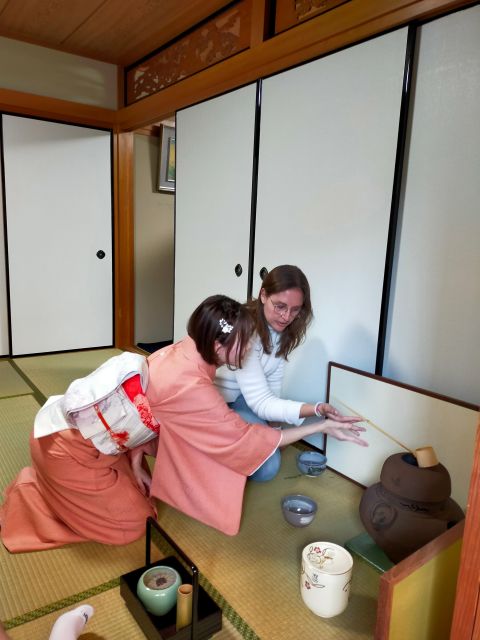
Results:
<point x="219" y="38"/>
<point x="291" y="12"/>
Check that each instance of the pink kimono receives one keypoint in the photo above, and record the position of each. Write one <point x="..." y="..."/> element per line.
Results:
<point x="206" y="451"/>
<point x="73" y="492"/>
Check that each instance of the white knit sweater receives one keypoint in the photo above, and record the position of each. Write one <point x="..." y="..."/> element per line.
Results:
<point x="260" y="383"/>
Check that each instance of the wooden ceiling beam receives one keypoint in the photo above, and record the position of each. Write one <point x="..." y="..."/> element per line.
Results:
<point x="352" y="22"/>
<point x="54" y="109"/>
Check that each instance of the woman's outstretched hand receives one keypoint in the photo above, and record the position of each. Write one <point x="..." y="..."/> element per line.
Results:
<point x="329" y="411"/>
<point x="344" y="428"/>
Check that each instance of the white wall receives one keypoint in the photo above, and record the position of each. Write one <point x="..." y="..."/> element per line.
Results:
<point x="154" y="247"/>
<point x="47" y="72"/>
<point x="434" y="330"/>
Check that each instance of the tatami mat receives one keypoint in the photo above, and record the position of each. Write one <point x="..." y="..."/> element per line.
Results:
<point x="111" y="621"/>
<point x="254" y="576"/>
<point x="11" y="384"/>
<point x="258" y="571"/>
<point x="16" y="422"/>
<point x="34" y="580"/>
<point x="52" y="374"/>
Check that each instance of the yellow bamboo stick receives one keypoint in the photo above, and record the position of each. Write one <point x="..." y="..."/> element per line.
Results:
<point x="372" y="424"/>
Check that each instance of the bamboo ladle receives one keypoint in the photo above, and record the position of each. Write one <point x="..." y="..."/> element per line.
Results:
<point x="425" y="456"/>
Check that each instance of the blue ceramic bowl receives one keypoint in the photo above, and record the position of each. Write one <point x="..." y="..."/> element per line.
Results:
<point x="298" y="510"/>
<point x="311" y="463"/>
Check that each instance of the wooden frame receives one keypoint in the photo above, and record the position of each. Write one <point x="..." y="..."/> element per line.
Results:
<point x="346" y="25"/>
<point x="431" y="602"/>
<point x="166" y="159"/>
<point x="402" y="416"/>
<point x="123" y="239"/>
<point x="464" y="625"/>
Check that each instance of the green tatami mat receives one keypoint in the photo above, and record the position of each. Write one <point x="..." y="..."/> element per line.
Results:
<point x="16" y="423"/>
<point x="110" y="621"/>
<point x="34" y="580"/>
<point x="11" y="384"/>
<point x="258" y="570"/>
<point x="52" y="374"/>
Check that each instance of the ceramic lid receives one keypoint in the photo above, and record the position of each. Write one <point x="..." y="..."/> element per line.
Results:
<point x="328" y="557"/>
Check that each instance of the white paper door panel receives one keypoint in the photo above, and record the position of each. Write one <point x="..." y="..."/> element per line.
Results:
<point x="214" y="142"/>
<point x="433" y="339"/>
<point x="3" y="286"/>
<point x="59" y="215"/>
<point x="412" y="417"/>
<point x="327" y="156"/>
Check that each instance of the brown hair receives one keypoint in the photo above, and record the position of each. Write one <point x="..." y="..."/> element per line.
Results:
<point x="283" y="277"/>
<point x="208" y="322"/>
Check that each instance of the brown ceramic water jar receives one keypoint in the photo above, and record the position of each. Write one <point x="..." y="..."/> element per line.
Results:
<point x="409" y="506"/>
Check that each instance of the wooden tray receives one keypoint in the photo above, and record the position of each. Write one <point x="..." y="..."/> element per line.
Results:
<point x="206" y="614"/>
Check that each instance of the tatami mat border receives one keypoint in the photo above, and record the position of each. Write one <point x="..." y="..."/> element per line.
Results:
<point x="61" y="604"/>
<point x="35" y="391"/>
<point x="228" y="611"/>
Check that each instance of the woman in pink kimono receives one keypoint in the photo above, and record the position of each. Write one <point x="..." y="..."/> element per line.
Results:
<point x="88" y="480"/>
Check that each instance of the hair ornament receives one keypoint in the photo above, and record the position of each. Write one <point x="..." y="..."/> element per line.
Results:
<point x="226" y="328"/>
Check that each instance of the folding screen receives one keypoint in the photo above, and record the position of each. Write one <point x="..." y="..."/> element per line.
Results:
<point x="328" y="141"/>
<point x="417" y="596"/>
<point x="407" y="415"/>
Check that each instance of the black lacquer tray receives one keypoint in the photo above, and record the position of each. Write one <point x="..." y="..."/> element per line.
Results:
<point x="206" y="615"/>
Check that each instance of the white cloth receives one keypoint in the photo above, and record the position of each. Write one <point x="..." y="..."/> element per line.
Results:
<point x="75" y="409"/>
<point x="260" y="382"/>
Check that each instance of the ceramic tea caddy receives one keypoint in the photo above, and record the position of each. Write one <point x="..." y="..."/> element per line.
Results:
<point x="157" y="589"/>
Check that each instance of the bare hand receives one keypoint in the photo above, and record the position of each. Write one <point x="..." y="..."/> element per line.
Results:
<point x="144" y="480"/>
<point x="345" y="428"/>
<point x="329" y="411"/>
<point x="140" y="469"/>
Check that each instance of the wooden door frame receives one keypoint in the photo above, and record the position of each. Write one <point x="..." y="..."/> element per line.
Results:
<point x="466" y="621"/>
<point x="123" y="189"/>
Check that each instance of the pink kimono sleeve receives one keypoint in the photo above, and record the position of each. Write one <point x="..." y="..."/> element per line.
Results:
<point x="206" y="451"/>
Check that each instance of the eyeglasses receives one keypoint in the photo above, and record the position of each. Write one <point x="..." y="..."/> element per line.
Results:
<point x="283" y="310"/>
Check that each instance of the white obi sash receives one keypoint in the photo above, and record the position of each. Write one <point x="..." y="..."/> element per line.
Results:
<point x="99" y="408"/>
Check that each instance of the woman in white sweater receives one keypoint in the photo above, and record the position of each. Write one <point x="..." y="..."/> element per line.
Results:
<point x="282" y="314"/>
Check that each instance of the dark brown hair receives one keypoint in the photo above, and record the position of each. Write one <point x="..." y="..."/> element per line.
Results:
<point x="283" y="277"/>
<point x="209" y="322"/>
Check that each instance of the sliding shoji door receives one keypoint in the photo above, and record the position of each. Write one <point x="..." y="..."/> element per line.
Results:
<point x="3" y="285"/>
<point x="328" y="144"/>
<point x="59" y="235"/>
<point x="434" y="333"/>
<point x="214" y="143"/>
